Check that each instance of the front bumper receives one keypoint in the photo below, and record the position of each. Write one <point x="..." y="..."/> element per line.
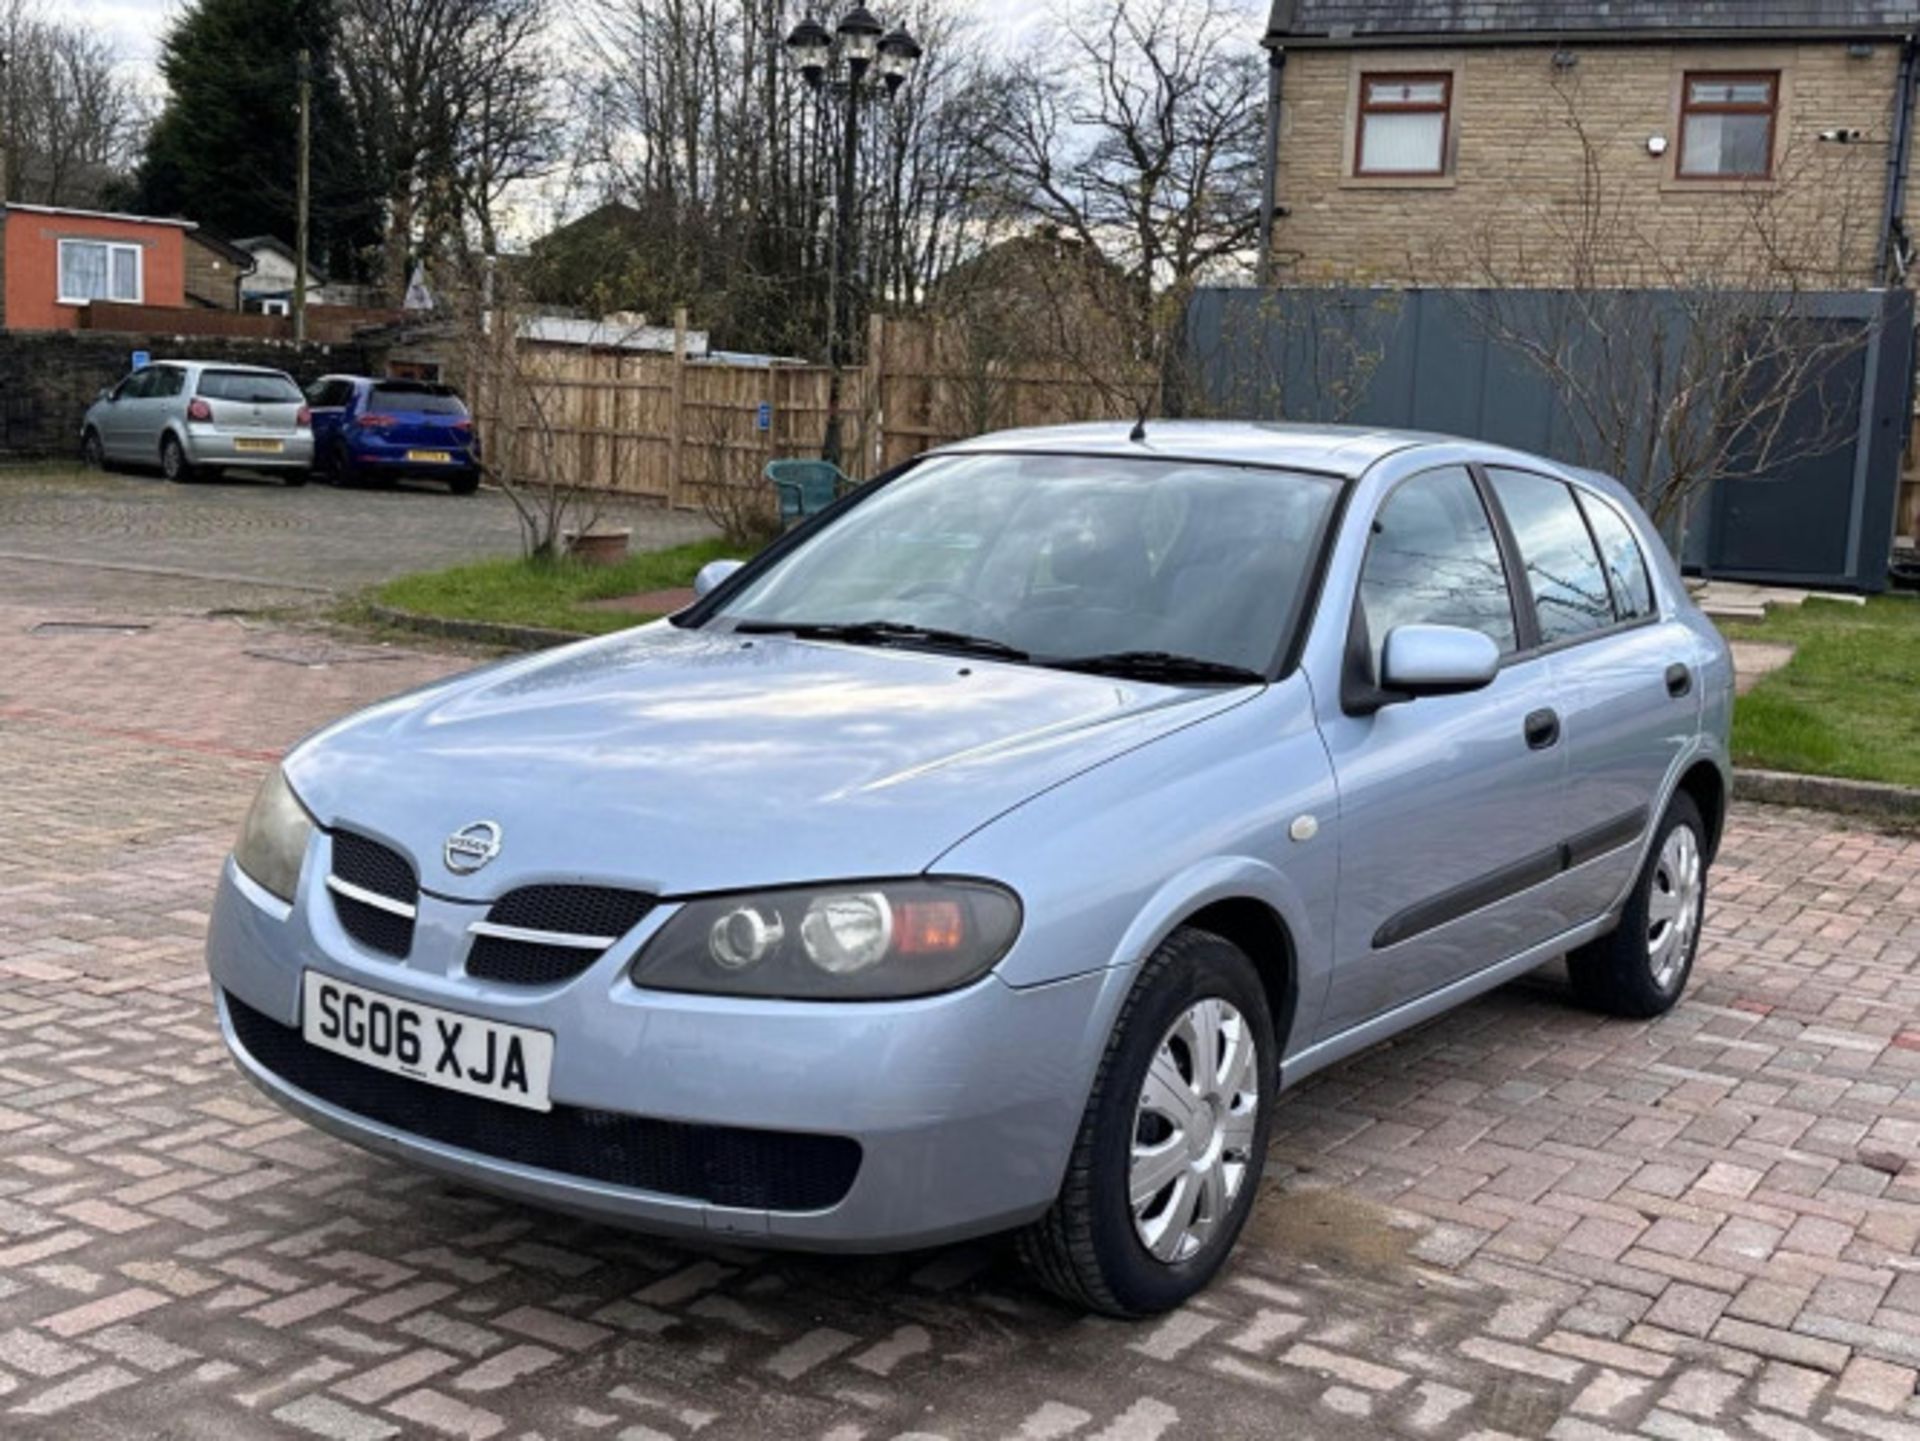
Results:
<point x="964" y="1105"/>
<point x="206" y="446"/>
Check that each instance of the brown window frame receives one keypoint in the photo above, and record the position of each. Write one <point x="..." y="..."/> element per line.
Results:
<point x="1688" y="109"/>
<point x="1444" y="110"/>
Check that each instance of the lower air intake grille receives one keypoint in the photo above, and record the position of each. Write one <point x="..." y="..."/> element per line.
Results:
<point x="723" y="1165"/>
<point x="571" y="910"/>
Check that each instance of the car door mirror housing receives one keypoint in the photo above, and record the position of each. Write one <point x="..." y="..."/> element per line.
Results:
<point x="713" y="575"/>
<point x="106" y="394"/>
<point x="1422" y="660"/>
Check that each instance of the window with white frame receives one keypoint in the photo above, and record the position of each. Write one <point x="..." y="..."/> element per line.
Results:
<point x="99" y="270"/>
<point x="1403" y="121"/>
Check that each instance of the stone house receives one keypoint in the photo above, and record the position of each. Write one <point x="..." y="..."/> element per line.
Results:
<point x="1669" y="143"/>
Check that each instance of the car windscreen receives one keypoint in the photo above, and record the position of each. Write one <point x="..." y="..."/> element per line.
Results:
<point x="415" y="402"/>
<point x="1064" y="557"/>
<point x="249" y="387"/>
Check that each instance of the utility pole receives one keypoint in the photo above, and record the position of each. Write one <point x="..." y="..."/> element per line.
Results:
<point x="303" y="197"/>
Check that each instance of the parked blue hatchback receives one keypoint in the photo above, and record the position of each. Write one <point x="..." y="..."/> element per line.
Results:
<point x="989" y="851"/>
<point x="368" y="431"/>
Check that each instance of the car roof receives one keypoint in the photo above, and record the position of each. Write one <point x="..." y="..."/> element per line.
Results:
<point x="220" y="365"/>
<point x="1341" y="450"/>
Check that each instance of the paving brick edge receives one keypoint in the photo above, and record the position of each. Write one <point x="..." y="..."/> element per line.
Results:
<point x="483" y="632"/>
<point x="1828" y="793"/>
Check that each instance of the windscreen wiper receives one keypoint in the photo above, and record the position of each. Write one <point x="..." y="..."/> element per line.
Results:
<point x="1159" y="665"/>
<point x="885" y="632"/>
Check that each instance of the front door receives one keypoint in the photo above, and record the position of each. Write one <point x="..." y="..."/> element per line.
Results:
<point x="1451" y="811"/>
<point x="119" y="416"/>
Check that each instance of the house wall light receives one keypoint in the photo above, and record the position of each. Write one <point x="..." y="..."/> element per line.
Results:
<point x="1656" y="145"/>
<point x="1564" y="59"/>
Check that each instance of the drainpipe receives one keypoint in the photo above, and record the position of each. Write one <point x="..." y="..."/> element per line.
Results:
<point x="1892" y="223"/>
<point x="1270" y="168"/>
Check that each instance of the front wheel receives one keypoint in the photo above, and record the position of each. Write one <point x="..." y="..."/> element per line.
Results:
<point x="174" y="464"/>
<point x="1168" y="1158"/>
<point x="93" y="455"/>
<point x="1640" y="969"/>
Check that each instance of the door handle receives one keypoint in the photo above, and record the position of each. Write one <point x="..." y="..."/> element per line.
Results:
<point x="1542" y="729"/>
<point x="1679" y="680"/>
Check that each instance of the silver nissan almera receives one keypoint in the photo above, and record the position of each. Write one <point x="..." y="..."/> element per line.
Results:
<point x="988" y="852"/>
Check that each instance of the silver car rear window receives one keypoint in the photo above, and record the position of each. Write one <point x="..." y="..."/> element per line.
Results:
<point x="249" y="387"/>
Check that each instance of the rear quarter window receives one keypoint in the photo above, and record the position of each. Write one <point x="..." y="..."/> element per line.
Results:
<point x="1620" y="553"/>
<point x="249" y="387"/>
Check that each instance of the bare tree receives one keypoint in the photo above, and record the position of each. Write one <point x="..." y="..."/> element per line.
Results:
<point x="451" y="99"/>
<point x="516" y="400"/>
<point x="1680" y="361"/>
<point x="70" y="121"/>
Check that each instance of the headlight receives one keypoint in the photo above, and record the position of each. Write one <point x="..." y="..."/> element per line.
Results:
<point x="872" y="940"/>
<point x="273" y="838"/>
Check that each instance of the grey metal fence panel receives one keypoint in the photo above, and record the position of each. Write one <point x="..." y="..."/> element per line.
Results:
<point x="1423" y="359"/>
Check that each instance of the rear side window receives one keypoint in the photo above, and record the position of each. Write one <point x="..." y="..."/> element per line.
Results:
<point x="165" y="380"/>
<point x="1620" y="553"/>
<point x="1570" y="594"/>
<point x="329" y="393"/>
<point x="251" y="387"/>
<point x="419" y="402"/>
<point x="1433" y="560"/>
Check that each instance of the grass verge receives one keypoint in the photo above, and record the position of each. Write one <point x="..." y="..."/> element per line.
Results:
<point x="1848" y="703"/>
<point x="552" y="593"/>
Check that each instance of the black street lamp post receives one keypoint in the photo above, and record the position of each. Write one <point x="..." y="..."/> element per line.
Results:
<point x="845" y="64"/>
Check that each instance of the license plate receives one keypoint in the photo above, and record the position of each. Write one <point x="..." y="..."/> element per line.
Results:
<point x="271" y="447"/>
<point x="436" y="457"/>
<point x="443" y="1048"/>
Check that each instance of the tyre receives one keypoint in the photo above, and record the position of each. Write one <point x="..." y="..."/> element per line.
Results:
<point x="93" y="455"/>
<point x="465" y="484"/>
<point x="174" y="464"/>
<point x="1169" y="1154"/>
<point x="1641" y="968"/>
<point x="295" y="478"/>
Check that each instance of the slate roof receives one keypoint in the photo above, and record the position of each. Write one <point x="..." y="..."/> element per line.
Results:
<point x="1294" y="21"/>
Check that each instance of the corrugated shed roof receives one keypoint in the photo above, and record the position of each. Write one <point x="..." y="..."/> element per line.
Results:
<point x="1343" y="19"/>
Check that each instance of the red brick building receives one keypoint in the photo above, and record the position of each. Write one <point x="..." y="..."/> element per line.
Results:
<point x="55" y="262"/>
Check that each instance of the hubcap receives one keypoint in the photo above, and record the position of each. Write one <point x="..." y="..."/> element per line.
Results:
<point x="1673" y="906"/>
<point x="1193" y="1129"/>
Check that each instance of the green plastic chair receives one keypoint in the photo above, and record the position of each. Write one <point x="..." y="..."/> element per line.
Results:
<point x="806" y="487"/>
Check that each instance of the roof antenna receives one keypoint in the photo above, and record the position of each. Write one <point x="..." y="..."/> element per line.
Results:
<point x="1139" y="431"/>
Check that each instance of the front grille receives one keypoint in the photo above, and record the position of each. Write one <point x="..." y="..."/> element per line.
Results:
<point x="570" y="910"/>
<point x="374" y="867"/>
<point x="722" y="1165"/>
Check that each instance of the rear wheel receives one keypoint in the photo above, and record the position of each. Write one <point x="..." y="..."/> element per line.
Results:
<point x="336" y="465"/>
<point x="1168" y="1159"/>
<point x="174" y="464"/>
<point x="465" y="484"/>
<point x="1641" y="969"/>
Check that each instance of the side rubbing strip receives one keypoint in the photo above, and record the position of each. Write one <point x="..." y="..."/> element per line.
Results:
<point x="1463" y="900"/>
<point x="1609" y="836"/>
<point x="1496" y="886"/>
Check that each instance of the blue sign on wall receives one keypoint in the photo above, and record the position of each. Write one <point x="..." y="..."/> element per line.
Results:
<point x="141" y="359"/>
<point x="764" y="419"/>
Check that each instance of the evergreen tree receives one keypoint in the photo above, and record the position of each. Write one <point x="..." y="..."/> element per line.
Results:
<point x="224" y="151"/>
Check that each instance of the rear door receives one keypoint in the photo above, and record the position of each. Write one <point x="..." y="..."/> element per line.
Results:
<point x="1629" y="698"/>
<point x="257" y="410"/>
<point x="1451" y="809"/>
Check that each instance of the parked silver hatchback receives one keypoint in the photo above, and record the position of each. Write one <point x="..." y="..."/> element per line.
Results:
<point x="989" y="852"/>
<point x="195" y="417"/>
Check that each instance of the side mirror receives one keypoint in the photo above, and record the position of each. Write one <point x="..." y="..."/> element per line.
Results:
<point x="714" y="573"/>
<point x="1422" y="660"/>
<point x="106" y="393"/>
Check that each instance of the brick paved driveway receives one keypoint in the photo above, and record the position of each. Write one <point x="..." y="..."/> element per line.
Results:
<point x="313" y="537"/>
<point x="1519" y="1220"/>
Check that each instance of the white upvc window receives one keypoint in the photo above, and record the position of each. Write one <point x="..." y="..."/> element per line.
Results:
<point x="100" y="270"/>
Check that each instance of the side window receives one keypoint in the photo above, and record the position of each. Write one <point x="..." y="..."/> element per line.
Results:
<point x="1433" y="560"/>
<point x="1620" y="552"/>
<point x="167" y="380"/>
<point x="1569" y="589"/>
<point x="130" y="388"/>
